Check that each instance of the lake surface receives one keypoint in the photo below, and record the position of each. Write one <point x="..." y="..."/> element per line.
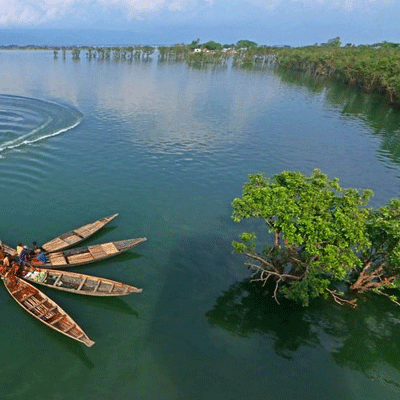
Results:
<point x="168" y="147"/>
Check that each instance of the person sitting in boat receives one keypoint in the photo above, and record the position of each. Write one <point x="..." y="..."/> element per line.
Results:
<point x="6" y="261"/>
<point x="23" y="257"/>
<point x="19" y="248"/>
<point x="41" y="258"/>
<point x="35" y="250"/>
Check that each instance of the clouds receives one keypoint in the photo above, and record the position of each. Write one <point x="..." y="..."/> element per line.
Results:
<point x="116" y="13"/>
<point x="34" y="12"/>
<point x="22" y="12"/>
<point x="347" y="5"/>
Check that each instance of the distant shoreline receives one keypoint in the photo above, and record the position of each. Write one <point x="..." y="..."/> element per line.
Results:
<point x="372" y="68"/>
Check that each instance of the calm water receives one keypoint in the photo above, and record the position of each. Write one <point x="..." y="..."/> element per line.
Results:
<point x="169" y="147"/>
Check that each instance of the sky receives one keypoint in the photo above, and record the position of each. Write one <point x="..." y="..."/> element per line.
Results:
<point x="269" y="22"/>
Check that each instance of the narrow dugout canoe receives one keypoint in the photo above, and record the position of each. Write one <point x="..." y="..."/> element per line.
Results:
<point x="9" y="250"/>
<point x="77" y="283"/>
<point x="44" y="309"/>
<point x="76" y="236"/>
<point x="86" y="255"/>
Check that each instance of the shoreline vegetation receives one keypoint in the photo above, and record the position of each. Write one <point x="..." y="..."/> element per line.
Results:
<point x="371" y="68"/>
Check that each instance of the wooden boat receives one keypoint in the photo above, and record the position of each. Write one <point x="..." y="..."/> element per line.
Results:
<point x="44" y="309"/>
<point x="9" y="250"/>
<point x="77" y="283"/>
<point x="86" y="255"/>
<point x="76" y="236"/>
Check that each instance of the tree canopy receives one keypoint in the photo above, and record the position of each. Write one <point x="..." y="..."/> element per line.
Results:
<point x="322" y="234"/>
<point x="335" y="42"/>
<point x="245" y="44"/>
<point x="194" y="44"/>
<point x="211" y="45"/>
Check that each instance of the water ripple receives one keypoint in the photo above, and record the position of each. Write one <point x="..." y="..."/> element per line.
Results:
<point x="24" y="121"/>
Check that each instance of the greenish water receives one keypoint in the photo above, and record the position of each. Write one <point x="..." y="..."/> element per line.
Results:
<point x="169" y="147"/>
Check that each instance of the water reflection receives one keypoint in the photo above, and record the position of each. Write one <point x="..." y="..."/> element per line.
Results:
<point x="37" y="328"/>
<point x="208" y="66"/>
<point x="113" y="304"/>
<point x="122" y="60"/>
<point x="363" y="339"/>
<point x="183" y="109"/>
<point x="373" y="109"/>
<point x="69" y="346"/>
<point x="244" y="310"/>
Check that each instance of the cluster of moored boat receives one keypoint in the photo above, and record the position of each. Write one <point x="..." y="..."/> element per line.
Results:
<point x="59" y="256"/>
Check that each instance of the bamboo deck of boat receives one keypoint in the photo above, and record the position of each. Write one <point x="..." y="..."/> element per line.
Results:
<point x="76" y="236"/>
<point x="9" y="250"/>
<point x="77" y="283"/>
<point x="86" y="255"/>
<point x="44" y="309"/>
<point x="59" y="256"/>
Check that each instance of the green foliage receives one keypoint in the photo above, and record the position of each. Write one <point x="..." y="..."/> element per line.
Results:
<point x="384" y="232"/>
<point x="245" y="44"/>
<point x="194" y="44"/>
<point x="76" y="53"/>
<point x="335" y="42"/>
<point x="382" y="259"/>
<point x="318" y="228"/>
<point x="147" y="50"/>
<point x="372" y="68"/>
<point x="211" y="45"/>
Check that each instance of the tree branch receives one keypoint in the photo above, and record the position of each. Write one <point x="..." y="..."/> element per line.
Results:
<point x="276" y="290"/>
<point x="391" y="299"/>
<point x="260" y="270"/>
<point x="365" y="277"/>
<point x="340" y="300"/>
<point x="277" y="240"/>
<point x="264" y="275"/>
<point x="262" y="260"/>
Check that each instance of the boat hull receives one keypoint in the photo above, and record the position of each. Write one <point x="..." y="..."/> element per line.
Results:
<point x="77" y="283"/>
<point x="44" y="309"/>
<point x="76" y="236"/>
<point x="87" y="255"/>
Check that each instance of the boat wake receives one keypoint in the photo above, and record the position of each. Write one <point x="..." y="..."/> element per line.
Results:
<point x="24" y="121"/>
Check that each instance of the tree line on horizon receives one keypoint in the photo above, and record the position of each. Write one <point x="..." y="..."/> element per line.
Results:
<point x="373" y="68"/>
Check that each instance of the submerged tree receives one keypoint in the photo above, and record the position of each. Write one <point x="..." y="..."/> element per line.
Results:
<point x="317" y="227"/>
<point x="322" y="235"/>
<point x="381" y="262"/>
<point x="76" y="51"/>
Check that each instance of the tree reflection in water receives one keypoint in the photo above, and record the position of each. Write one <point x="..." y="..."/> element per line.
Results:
<point x="372" y="109"/>
<point x="364" y="339"/>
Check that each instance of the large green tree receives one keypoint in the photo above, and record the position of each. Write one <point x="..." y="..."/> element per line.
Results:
<point x="322" y="235"/>
<point x="318" y="231"/>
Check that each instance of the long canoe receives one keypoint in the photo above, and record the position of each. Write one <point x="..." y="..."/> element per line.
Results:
<point x="9" y="250"/>
<point x="77" y="283"/>
<point x="86" y="255"/>
<point x="76" y="236"/>
<point x="44" y="309"/>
